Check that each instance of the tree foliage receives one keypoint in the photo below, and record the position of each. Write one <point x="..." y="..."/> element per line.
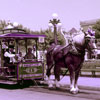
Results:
<point x="50" y="37"/>
<point x="96" y="27"/>
<point x="3" y="24"/>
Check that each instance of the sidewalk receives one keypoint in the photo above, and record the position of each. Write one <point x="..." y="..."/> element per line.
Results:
<point x="88" y="83"/>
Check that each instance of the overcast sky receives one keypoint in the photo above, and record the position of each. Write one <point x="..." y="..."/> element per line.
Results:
<point x="35" y="14"/>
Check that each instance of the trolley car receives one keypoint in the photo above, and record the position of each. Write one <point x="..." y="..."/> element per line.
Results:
<point x="26" y="69"/>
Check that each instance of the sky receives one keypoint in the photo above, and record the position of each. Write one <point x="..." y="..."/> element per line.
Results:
<point x="35" y="14"/>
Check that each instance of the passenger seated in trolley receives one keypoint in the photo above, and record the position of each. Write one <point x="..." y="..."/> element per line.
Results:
<point x="29" y="54"/>
<point x="20" y="57"/>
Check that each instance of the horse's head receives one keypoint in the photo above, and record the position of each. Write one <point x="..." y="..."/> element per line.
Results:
<point x="84" y="41"/>
<point x="90" y="44"/>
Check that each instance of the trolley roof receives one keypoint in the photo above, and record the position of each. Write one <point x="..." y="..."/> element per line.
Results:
<point x="20" y="35"/>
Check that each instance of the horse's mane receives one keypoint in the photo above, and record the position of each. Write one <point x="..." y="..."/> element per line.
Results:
<point x="79" y="38"/>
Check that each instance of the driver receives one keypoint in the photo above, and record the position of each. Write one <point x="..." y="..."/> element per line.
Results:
<point x="9" y="59"/>
<point x="10" y="54"/>
<point x="20" y="57"/>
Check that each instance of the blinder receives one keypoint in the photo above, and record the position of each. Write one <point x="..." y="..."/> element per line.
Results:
<point x="87" y="38"/>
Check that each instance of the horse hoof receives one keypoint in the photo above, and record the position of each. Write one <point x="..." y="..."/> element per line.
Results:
<point x="74" y="92"/>
<point x="50" y="86"/>
<point x="57" y="85"/>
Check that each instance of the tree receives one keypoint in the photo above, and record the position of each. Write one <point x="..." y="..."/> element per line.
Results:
<point x="3" y="24"/>
<point x="96" y="27"/>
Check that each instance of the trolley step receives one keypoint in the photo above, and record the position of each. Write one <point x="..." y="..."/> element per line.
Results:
<point x="9" y="76"/>
<point x="7" y="82"/>
<point x="13" y="79"/>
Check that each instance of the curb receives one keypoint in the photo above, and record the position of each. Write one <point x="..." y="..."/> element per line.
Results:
<point x="89" y="88"/>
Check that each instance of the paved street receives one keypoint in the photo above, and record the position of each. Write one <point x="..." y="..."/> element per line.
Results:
<point x="89" y="90"/>
<point x="40" y="93"/>
<point x="31" y="95"/>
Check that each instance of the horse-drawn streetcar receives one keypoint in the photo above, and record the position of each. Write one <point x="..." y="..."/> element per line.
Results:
<point x="20" y="60"/>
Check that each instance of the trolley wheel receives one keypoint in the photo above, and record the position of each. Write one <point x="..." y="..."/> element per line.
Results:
<point x="21" y="83"/>
<point x="25" y="83"/>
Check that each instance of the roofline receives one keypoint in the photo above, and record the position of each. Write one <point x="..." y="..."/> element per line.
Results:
<point x="88" y="22"/>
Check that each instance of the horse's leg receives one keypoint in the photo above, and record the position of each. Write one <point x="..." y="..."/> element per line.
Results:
<point x="72" y="78"/>
<point x="72" y="81"/>
<point x="48" y="72"/>
<point x="76" y="80"/>
<point x="77" y="76"/>
<point x="71" y="71"/>
<point x="50" y="85"/>
<point x="57" y="75"/>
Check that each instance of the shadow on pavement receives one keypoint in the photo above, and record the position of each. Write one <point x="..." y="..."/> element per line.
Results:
<point x="25" y="84"/>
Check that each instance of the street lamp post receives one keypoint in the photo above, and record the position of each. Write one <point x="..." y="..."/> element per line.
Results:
<point x="54" y="22"/>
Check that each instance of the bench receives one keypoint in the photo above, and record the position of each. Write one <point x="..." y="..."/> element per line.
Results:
<point x="91" y="66"/>
<point x="93" y="72"/>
